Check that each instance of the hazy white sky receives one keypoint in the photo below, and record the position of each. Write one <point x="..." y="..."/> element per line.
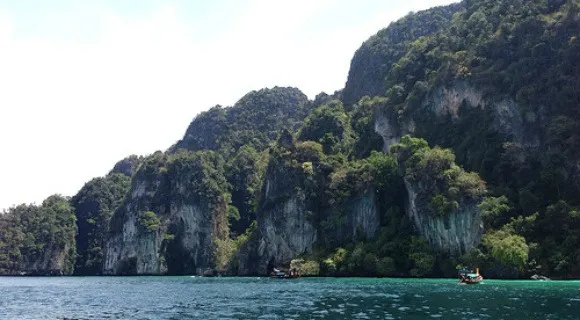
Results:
<point x="85" y="83"/>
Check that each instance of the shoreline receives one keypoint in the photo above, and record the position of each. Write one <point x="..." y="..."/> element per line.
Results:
<point x="266" y="276"/>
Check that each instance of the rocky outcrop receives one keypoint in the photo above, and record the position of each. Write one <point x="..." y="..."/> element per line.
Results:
<point x="137" y="250"/>
<point x="166" y="226"/>
<point x="38" y="239"/>
<point x="356" y="219"/>
<point x="455" y="233"/>
<point x="390" y="128"/>
<point x="54" y="261"/>
<point x="363" y="215"/>
<point x="257" y="117"/>
<point x="373" y="61"/>
<point x="445" y="102"/>
<point x="507" y="119"/>
<point x="288" y="218"/>
<point x="286" y="232"/>
<point x="94" y="206"/>
<point x="133" y="251"/>
<point x="128" y="166"/>
<point x="540" y="278"/>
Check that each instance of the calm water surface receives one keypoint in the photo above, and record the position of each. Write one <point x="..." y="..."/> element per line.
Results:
<point x="264" y="298"/>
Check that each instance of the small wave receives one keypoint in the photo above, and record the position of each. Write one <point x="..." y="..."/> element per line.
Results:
<point x="361" y="315"/>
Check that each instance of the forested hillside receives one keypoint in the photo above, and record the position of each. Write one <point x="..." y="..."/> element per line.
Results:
<point x="456" y="140"/>
<point x="38" y="240"/>
<point x="499" y="86"/>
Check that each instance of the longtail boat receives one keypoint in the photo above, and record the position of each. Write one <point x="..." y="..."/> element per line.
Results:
<point x="470" y="277"/>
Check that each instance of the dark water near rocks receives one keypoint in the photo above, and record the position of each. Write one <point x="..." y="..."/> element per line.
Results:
<point x="264" y="298"/>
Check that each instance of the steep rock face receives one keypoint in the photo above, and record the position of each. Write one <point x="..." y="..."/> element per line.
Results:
<point x="285" y="229"/>
<point x="356" y="218"/>
<point x="132" y="251"/>
<point x="94" y="206"/>
<point x="171" y="221"/>
<point x="38" y="240"/>
<point x="455" y="233"/>
<point x="292" y="218"/>
<point x="373" y="61"/>
<point x="507" y="118"/>
<point x="388" y="127"/>
<point x="256" y="119"/>
<point x="446" y="103"/>
<point x="363" y="215"/>
<point x="127" y="166"/>
<point x="137" y="250"/>
<point x="286" y="233"/>
<point x="52" y="262"/>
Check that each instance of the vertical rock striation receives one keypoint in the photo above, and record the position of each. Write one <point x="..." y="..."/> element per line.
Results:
<point x="172" y="219"/>
<point x="455" y="233"/>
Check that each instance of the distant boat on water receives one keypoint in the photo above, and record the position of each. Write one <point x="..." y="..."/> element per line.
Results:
<point x="280" y="274"/>
<point x="469" y="277"/>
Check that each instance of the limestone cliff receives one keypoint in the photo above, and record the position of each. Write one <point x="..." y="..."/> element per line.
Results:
<point x="455" y="233"/>
<point x="171" y="220"/>
<point x="363" y="217"/>
<point x="256" y="119"/>
<point x="291" y="220"/>
<point x="354" y="219"/>
<point x="286" y="232"/>
<point x="373" y="61"/>
<point x="53" y="261"/>
<point x="128" y="165"/>
<point x="454" y="105"/>
<point x="442" y="198"/>
<point x="285" y="228"/>
<point x="38" y="239"/>
<point x="459" y="107"/>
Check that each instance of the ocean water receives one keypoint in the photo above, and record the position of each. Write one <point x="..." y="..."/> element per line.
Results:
<point x="264" y="298"/>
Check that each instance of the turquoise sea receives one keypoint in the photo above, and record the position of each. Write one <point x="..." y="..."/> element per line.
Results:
<point x="265" y="298"/>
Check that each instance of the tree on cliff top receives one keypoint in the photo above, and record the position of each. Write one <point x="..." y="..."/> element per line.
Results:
<point x="434" y="169"/>
<point x="38" y="239"/>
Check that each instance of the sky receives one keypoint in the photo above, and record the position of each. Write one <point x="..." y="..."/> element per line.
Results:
<point x="84" y="84"/>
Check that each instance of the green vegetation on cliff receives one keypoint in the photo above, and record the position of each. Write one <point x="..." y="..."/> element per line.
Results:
<point x="493" y="81"/>
<point x="94" y="206"/>
<point x="443" y="182"/>
<point x="38" y="240"/>
<point x="176" y="200"/>
<point x="491" y="85"/>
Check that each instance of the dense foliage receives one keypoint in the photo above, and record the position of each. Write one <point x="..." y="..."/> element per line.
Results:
<point x="32" y="233"/>
<point x="328" y="125"/>
<point x="522" y="138"/>
<point x="254" y="120"/>
<point x="94" y="206"/>
<point x="512" y="66"/>
<point x="245" y="172"/>
<point x="442" y="181"/>
<point x="373" y="60"/>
